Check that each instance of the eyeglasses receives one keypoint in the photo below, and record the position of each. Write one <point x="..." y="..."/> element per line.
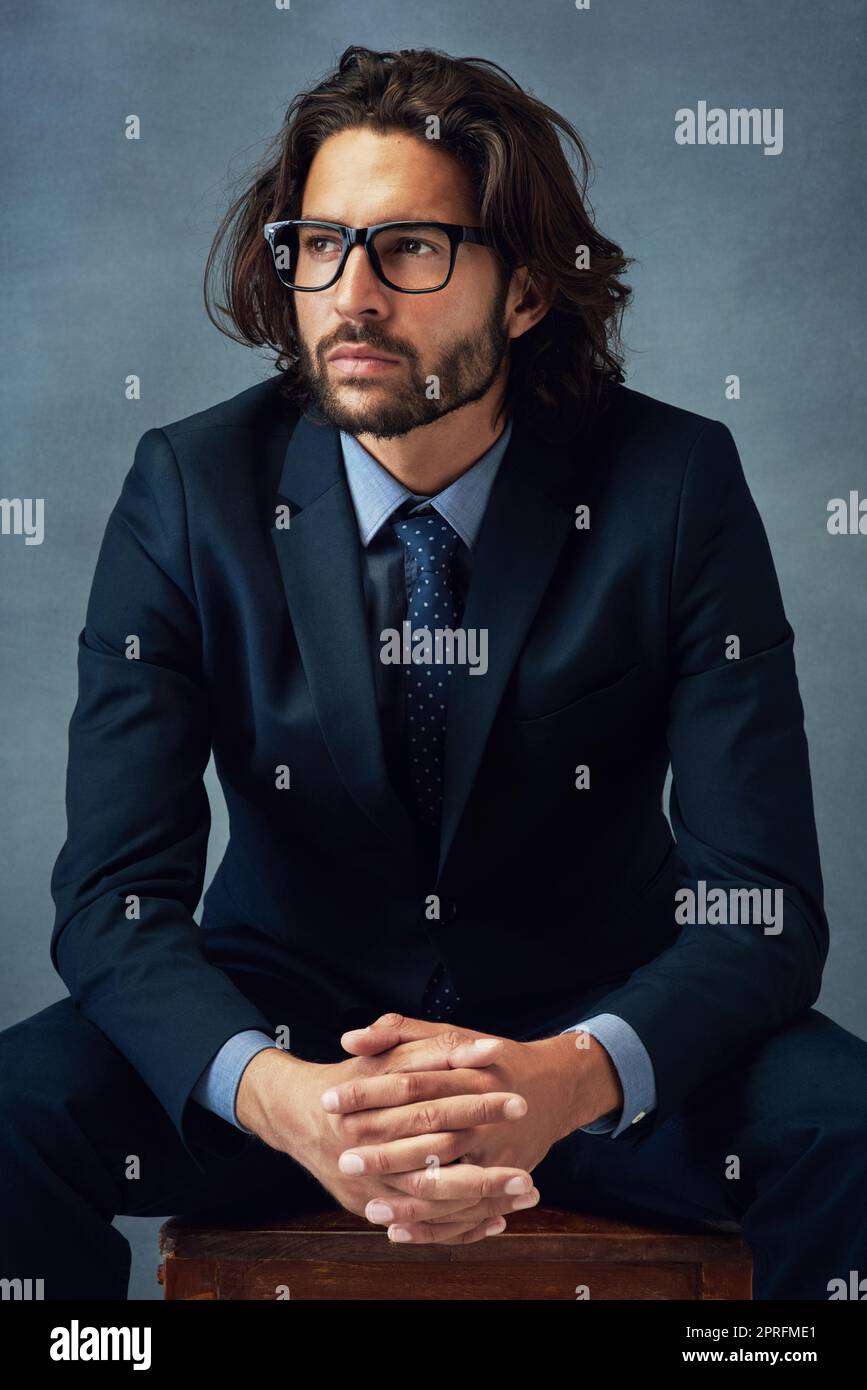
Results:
<point x="413" y="257"/>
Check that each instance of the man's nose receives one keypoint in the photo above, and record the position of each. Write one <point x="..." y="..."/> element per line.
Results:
<point x="359" y="287"/>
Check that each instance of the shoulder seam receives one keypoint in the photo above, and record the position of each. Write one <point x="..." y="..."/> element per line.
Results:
<point x="708" y="424"/>
<point x="159" y="429"/>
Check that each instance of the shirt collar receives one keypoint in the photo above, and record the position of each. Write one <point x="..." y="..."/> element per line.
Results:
<point x="376" y="493"/>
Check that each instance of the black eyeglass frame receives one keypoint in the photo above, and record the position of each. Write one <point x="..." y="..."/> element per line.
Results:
<point x="363" y="236"/>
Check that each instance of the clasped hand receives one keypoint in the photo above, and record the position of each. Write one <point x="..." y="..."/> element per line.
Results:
<point x="452" y="1121"/>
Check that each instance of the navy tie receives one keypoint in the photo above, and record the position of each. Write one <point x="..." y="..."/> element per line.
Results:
<point x="429" y="544"/>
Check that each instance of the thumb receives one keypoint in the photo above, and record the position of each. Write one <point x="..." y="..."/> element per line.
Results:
<point x="386" y="1031"/>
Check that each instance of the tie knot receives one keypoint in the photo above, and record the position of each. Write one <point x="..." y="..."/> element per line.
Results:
<point x="429" y="541"/>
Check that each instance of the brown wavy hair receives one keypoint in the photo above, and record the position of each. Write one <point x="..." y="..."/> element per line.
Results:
<point x="532" y="204"/>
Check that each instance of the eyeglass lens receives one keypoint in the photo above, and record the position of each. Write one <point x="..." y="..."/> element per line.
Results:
<point x="415" y="257"/>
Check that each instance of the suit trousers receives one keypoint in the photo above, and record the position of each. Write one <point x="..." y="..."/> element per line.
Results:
<point x="778" y="1145"/>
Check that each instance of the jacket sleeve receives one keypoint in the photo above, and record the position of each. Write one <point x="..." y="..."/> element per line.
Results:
<point x="130" y="873"/>
<point x="741" y="803"/>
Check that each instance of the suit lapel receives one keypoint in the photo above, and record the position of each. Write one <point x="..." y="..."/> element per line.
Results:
<point x="320" y="558"/>
<point x="527" y="521"/>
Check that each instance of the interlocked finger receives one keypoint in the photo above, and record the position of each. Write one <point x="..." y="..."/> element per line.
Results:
<point x="455" y="1181"/>
<point x="413" y="1212"/>
<point x="448" y="1232"/>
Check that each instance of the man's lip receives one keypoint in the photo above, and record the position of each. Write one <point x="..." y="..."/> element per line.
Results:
<point x="359" y="352"/>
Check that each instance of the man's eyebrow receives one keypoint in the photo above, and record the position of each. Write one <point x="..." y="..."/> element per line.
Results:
<point x="320" y="217"/>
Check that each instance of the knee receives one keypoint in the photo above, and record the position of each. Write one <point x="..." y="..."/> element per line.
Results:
<point x="49" y="1072"/>
<point x="835" y="1132"/>
<point x="55" y="1051"/>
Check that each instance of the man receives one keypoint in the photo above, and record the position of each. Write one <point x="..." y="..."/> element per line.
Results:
<point x="456" y="841"/>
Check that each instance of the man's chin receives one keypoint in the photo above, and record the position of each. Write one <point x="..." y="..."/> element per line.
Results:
<point x="379" y="427"/>
<point x="365" y="417"/>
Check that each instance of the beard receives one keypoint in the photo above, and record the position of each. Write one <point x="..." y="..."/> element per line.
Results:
<point x="465" y="371"/>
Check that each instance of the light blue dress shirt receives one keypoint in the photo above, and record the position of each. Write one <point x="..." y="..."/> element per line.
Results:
<point x="376" y="494"/>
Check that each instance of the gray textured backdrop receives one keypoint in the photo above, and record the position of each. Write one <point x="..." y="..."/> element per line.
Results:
<point x="748" y="263"/>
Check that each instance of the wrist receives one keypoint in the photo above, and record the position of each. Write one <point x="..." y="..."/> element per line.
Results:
<point x="255" y="1093"/>
<point x="590" y="1081"/>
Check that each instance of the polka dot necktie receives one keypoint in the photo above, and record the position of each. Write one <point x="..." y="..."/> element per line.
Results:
<point x="429" y="544"/>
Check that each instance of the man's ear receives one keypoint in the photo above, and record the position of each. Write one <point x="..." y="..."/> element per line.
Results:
<point x="536" y="293"/>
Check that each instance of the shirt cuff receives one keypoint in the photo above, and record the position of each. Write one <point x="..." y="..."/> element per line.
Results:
<point x="633" y="1066"/>
<point x="217" y="1087"/>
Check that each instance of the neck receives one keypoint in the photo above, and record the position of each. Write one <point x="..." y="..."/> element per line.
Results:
<point x="429" y="458"/>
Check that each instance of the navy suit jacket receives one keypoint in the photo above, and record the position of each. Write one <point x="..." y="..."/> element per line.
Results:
<point x="212" y="624"/>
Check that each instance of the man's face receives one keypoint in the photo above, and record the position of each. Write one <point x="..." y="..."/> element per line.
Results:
<point x="456" y="335"/>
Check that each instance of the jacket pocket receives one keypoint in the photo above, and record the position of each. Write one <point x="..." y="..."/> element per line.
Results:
<point x="611" y="687"/>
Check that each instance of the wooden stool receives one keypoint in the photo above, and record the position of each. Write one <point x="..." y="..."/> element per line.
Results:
<point x="544" y="1253"/>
